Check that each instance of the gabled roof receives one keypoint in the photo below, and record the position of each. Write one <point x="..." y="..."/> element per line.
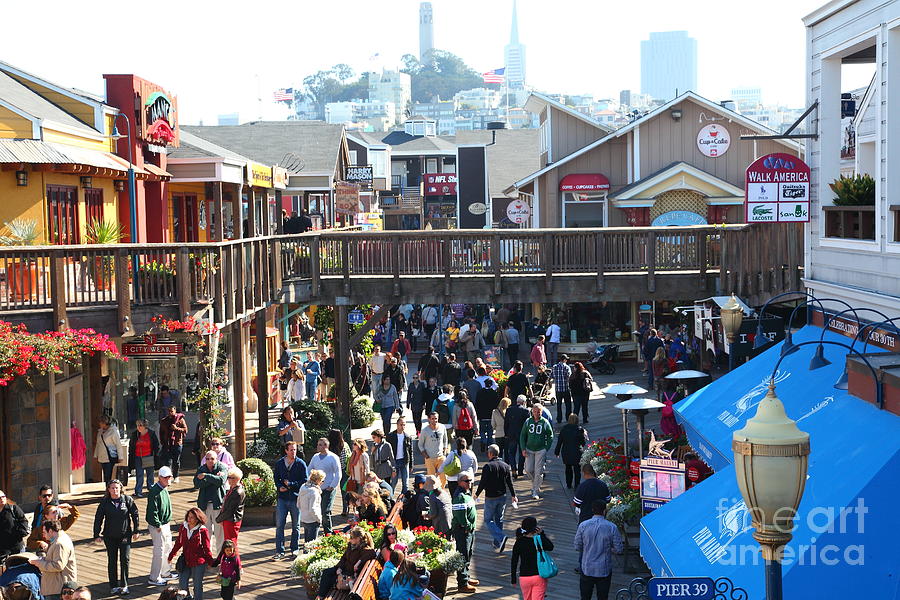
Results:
<point x="536" y="101"/>
<point x="515" y="153"/>
<point x="196" y="147"/>
<point x="724" y="189"/>
<point x="733" y="115"/>
<point x="316" y="143"/>
<point x="19" y="96"/>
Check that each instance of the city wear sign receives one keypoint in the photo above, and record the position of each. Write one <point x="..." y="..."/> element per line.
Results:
<point x="713" y="140"/>
<point x="777" y="190"/>
<point x="518" y="211"/>
<point x="259" y="175"/>
<point x="151" y="348"/>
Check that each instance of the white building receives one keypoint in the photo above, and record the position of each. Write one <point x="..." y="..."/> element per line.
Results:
<point x="853" y="253"/>
<point x="668" y="64"/>
<point x="477" y="99"/>
<point x="426" y="30"/>
<point x="380" y="116"/>
<point x="746" y="97"/>
<point x="514" y="55"/>
<point x="392" y="86"/>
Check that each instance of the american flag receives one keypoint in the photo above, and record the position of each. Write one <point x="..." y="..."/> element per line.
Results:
<point x="284" y="95"/>
<point x="495" y="76"/>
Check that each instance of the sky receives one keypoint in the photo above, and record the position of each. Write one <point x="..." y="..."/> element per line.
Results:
<point x="227" y="56"/>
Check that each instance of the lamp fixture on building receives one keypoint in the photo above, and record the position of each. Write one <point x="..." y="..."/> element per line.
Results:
<point x="22" y="178"/>
<point x="87" y="181"/>
<point x="732" y="316"/>
<point x="119" y="185"/>
<point x="676" y="114"/>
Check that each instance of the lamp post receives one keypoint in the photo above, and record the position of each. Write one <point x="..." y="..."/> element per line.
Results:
<point x="132" y="194"/>
<point x="771" y="457"/>
<point x="732" y="316"/>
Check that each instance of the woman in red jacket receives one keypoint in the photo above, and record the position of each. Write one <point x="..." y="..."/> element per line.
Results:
<point x="193" y="541"/>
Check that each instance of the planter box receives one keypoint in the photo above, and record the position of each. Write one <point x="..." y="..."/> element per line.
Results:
<point x="850" y="222"/>
<point x="259" y="516"/>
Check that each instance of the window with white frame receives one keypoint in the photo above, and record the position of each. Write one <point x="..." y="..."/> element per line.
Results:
<point x="584" y="209"/>
<point x="545" y="137"/>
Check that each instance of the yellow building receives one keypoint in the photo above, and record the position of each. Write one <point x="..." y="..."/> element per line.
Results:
<point x="57" y="166"/>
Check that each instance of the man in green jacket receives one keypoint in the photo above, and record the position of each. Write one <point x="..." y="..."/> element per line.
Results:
<point x="535" y="440"/>
<point x="211" y="478"/>
<point x="463" y="528"/>
<point x="158" y="515"/>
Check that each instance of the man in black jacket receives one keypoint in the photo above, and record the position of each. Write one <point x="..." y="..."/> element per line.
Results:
<point x="451" y="372"/>
<point x="415" y="504"/>
<point x="652" y="344"/>
<point x="495" y="480"/>
<point x="13" y="528"/>
<point x="512" y="426"/>
<point x="401" y="444"/>
<point x="117" y="520"/>
<point x="429" y="365"/>
<point x="485" y="402"/>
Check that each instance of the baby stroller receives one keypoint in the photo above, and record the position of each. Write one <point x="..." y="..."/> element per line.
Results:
<point x="542" y="388"/>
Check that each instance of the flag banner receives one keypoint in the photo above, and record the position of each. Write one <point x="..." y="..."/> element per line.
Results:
<point x="495" y="76"/>
<point x="284" y="95"/>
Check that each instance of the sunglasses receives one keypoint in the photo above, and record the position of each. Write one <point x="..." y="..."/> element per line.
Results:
<point x="67" y="592"/>
<point x="46" y="495"/>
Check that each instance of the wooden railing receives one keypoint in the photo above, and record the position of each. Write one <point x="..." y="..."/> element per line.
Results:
<point x="240" y="276"/>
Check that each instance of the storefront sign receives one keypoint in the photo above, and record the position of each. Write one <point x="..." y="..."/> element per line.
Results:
<point x="584" y="182"/>
<point x="670" y="588"/>
<point x="440" y="184"/>
<point x="279" y="178"/>
<point x="478" y="208"/>
<point x="848" y="327"/>
<point x="661" y="480"/>
<point x="678" y="218"/>
<point x="259" y="175"/>
<point x="346" y="198"/>
<point x="713" y="140"/>
<point x="777" y="190"/>
<point x="518" y="211"/>
<point x="361" y="175"/>
<point x="151" y="347"/>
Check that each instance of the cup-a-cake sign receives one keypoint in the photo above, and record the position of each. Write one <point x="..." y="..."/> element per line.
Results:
<point x="713" y="140"/>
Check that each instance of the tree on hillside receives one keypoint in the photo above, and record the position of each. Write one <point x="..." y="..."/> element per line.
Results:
<point x="443" y="75"/>
<point x="334" y="85"/>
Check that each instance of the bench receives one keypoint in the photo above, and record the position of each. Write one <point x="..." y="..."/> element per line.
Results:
<point x="365" y="586"/>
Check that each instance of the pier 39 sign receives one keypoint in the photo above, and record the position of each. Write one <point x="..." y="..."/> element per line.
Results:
<point x="777" y="190"/>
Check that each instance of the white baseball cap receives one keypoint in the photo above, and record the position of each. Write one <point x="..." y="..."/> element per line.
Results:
<point x="165" y="472"/>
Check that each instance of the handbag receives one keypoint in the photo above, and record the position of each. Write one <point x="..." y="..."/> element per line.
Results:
<point x="344" y="582"/>
<point x="351" y="485"/>
<point x="454" y="467"/>
<point x="180" y="565"/>
<point x="546" y="565"/>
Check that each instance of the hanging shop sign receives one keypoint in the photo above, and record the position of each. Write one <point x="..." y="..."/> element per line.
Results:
<point x="158" y="119"/>
<point x="150" y="347"/>
<point x="584" y="183"/>
<point x="777" y="190"/>
<point x="346" y="198"/>
<point x="259" y="175"/>
<point x="693" y="588"/>
<point x="478" y="208"/>
<point x="440" y="184"/>
<point x="279" y="178"/>
<point x="678" y="218"/>
<point x="713" y="140"/>
<point x="518" y="211"/>
<point x="362" y="175"/>
<point x="661" y="480"/>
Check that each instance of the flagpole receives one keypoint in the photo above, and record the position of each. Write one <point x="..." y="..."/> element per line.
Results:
<point x="506" y="86"/>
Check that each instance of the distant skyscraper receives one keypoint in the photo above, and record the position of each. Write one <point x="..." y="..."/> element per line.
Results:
<point x="746" y="97"/>
<point x="514" y="55"/>
<point x="426" y="30"/>
<point x="668" y="64"/>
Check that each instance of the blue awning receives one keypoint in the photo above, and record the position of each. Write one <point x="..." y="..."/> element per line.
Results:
<point x="845" y="543"/>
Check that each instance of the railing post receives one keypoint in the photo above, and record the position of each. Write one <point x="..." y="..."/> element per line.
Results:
<point x="548" y="263"/>
<point x="240" y="296"/>
<point x="495" y="262"/>
<point x="258" y="283"/>
<point x="395" y="253"/>
<point x="57" y="290"/>
<point x="651" y="261"/>
<point x="702" y="240"/>
<point x="217" y="258"/>
<point x="183" y="282"/>
<point x="724" y="284"/>
<point x="600" y="242"/>
<point x="345" y="263"/>
<point x="123" y="266"/>
<point x="278" y="274"/>
<point x="314" y="268"/>
<point x="448" y="261"/>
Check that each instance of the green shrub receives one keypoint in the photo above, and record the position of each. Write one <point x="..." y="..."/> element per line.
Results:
<point x="259" y="490"/>
<point x="858" y="190"/>
<point x="255" y="466"/>
<point x="267" y="445"/>
<point x="314" y="415"/>
<point x="312" y="438"/>
<point x="361" y="413"/>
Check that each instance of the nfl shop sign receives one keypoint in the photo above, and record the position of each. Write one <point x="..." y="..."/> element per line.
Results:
<point x="777" y="190"/>
<point x="713" y="140"/>
<point x="440" y="184"/>
<point x="518" y="211"/>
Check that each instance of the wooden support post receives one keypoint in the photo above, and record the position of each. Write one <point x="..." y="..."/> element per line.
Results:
<point x="240" y="296"/>
<point x="314" y="265"/>
<point x="395" y="252"/>
<point x="278" y="275"/>
<point x="447" y="249"/>
<point x="238" y="350"/>
<point x="495" y="262"/>
<point x="257" y="264"/>
<point x="724" y="285"/>
<point x="58" y="290"/>
<point x="702" y="241"/>
<point x="548" y="263"/>
<point x="228" y="271"/>
<point x="651" y="262"/>
<point x="369" y="325"/>
<point x="252" y="225"/>
<point x="123" y="292"/>
<point x="237" y="204"/>
<point x="601" y="263"/>
<point x="183" y="282"/>
<point x="342" y="361"/>
<point x="262" y="370"/>
<point x="345" y="263"/>
<point x="218" y="229"/>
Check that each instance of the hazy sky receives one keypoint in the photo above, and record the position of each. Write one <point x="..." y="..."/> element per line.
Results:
<point x="221" y="57"/>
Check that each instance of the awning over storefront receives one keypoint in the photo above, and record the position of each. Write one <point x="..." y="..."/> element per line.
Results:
<point x="841" y="545"/>
<point x="73" y="159"/>
<point x="584" y="182"/>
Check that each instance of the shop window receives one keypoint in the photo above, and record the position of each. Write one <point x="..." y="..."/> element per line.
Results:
<point x="93" y="205"/>
<point x="62" y="205"/>
<point x="185" y="217"/>
<point x="584" y="210"/>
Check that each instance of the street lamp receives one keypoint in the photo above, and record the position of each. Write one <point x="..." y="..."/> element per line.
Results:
<point x="771" y="457"/>
<point x="132" y="195"/>
<point x="732" y="316"/>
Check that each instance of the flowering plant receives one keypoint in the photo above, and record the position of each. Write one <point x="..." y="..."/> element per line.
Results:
<point x="432" y="551"/>
<point x="155" y="267"/>
<point x="46" y="352"/>
<point x="500" y="376"/>
<point x="259" y="491"/>
<point x="605" y="455"/>
<point x="625" y="509"/>
<point x="326" y="547"/>
<point x="188" y="325"/>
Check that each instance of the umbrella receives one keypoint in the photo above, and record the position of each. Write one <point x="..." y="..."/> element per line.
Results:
<point x="687" y="374"/>
<point x="640" y="406"/>
<point x="624" y="389"/>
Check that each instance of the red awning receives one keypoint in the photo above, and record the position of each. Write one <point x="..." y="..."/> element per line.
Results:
<point x="584" y="182"/>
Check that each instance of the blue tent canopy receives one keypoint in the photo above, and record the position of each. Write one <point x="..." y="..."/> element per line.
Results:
<point x="845" y="542"/>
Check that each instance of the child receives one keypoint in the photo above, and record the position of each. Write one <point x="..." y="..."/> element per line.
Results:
<point x="392" y="558"/>
<point x="229" y="564"/>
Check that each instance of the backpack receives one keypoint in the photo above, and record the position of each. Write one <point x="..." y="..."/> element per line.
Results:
<point x="588" y="384"/>
<point x="443" y="411"/>
<point x="464" y="421"/>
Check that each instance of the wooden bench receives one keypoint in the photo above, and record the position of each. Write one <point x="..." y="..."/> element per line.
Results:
<point x="365" y="586"/>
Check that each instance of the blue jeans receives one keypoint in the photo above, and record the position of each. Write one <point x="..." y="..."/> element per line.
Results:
<point x="494" y="508"/>
<point x="514" y="458"/>
<point x="197" y="574"/>
<point x="173" y="458"/>
<point x="386" y="415"/>
<point x="486" y="433"/>
<point x="140" y="468"/>
<point x="310" y="531"/>
<point x="403" y="475"/>
<point x="327" y="503"/>
<point x="282" y="508"/>
<point x="311" y="385"/>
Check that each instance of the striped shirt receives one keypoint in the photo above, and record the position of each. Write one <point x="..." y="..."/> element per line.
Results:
<point x="597" y="539"/>
<point x="561" y="372"/>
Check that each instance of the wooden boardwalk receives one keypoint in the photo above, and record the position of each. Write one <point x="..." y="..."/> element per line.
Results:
<point x="269" y="579"/>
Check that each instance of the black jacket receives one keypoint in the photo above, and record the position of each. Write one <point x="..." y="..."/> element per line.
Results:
<point x="233" y="505"/>
<point x="571" y="442"/>
<point x="407" y="447"/>
<point x="495" y="479"/>
<point x="514" y="421"/>
<point x="13" y="529"/>
<point x="154" y="448"/>
<point x="524" y="553"/>
<point x="429" y="366"/>
<point x="413" y="509"/>
<point x="485" y="403"/>
<point x="396" y="376"/>
<point x="116" y="522"/>
<point x="451" y="373"/>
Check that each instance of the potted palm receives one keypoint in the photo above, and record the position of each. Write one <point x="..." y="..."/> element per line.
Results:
<point x="21" y="273"/>
<point x="103" y="232"/>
